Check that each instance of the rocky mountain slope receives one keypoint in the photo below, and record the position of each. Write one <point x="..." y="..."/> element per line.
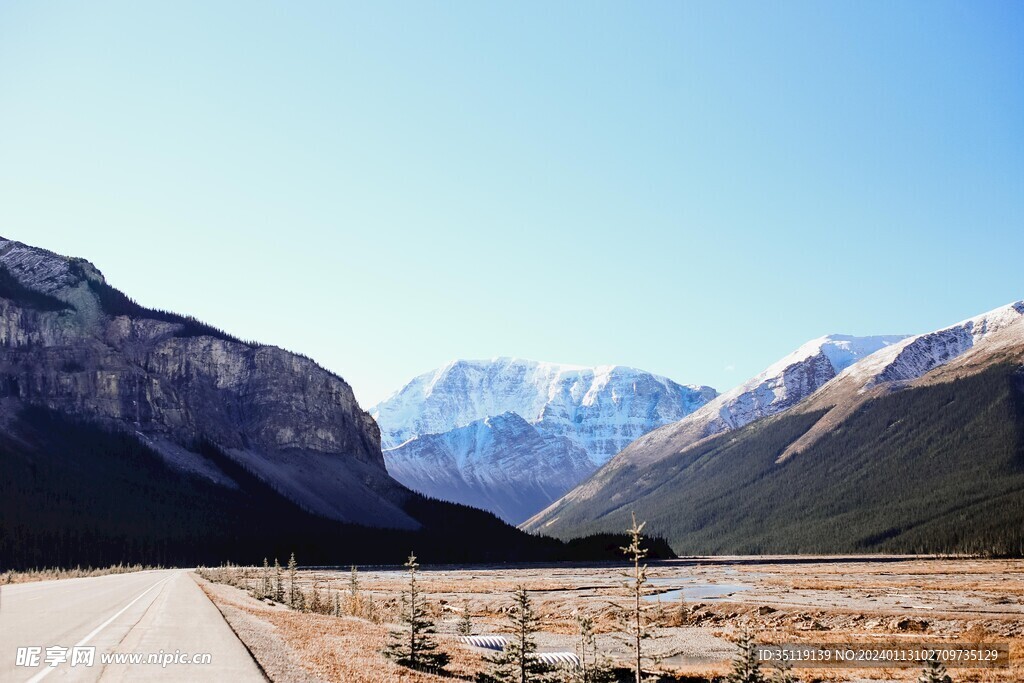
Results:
<point x="915" y="448"/>
<point x="96" y="355"/>
<point x="974" y="343"/>
<point x="601" y="409"/>
<point x="502" y="464"/>
<point x="571" y="420"/>
<point x="781" y="385"/>
<point x="131" y="434"/>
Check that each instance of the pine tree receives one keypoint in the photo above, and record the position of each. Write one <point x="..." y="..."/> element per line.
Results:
<point x="518" y="662"/>
<point x="316" y="603"/>
<point x="265" y="580"/>
<point x="466" y="621"/>
<point x="278" y="583"/>
<point x="293" y="570"/>
<point x="369" y="608"/>
<point x="934" y="671"/>
<point x="636" y="628"/>
<point x="413" y="646"/>
<point x="353" y="582"/>
<point x="784" y="673"/>
<point x="682" y="610"/>
<point x="746" y="667"/>
<point x="336" y="606"/>
<point x="354" y="601"/>
<point x="594" y="667"/>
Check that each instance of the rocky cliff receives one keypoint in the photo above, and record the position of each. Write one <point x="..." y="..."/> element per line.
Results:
<point x="72" y="343"/>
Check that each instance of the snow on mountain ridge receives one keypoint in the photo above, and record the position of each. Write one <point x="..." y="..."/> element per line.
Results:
<point x="511" y="435"/>
<point x="778" y="387"/>
<point x="790" y="379"/>
<point x="601" y="408"/>
<point x="914" y="356"/>
<point x="781" y="385"/>
<point x="914" y="359"/>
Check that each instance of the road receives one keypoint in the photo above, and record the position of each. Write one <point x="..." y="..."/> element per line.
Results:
<point x="162" y="612"/>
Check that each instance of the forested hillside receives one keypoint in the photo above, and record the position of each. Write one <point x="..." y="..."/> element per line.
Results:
<point x="937" y="468"/>
<point x="77" y="494"/>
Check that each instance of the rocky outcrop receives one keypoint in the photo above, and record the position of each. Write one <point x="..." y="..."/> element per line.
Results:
<point x="72" y="343"/>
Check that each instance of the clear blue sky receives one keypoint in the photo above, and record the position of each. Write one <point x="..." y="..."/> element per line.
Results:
<point x="690" y="188"/>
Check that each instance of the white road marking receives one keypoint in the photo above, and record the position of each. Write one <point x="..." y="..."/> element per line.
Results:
<point x="47" y="671"/>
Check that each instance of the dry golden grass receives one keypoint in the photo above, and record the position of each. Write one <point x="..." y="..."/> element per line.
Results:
<point x="341" y="648"/>
<point x="55" y="573"/>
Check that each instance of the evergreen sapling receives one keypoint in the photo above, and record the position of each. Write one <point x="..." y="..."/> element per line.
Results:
<point x="746" y="667"/>
<point x="635" y="626"/>
<point x="413" y="646"/>
<point x="293" y="596"/>
<point x="518" y="662"/>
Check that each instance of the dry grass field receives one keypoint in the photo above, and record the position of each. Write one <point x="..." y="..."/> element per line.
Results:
<point x="696" y="608"/>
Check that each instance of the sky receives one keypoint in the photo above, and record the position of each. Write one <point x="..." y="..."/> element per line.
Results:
<point x="690" y="188"/>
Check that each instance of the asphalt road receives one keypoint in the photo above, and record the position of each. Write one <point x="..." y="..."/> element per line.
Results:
<point x="161" y="613"/>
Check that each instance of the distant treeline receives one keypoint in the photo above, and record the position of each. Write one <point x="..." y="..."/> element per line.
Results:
<point x="115" y="302"/>
<point x="75" y="494"/>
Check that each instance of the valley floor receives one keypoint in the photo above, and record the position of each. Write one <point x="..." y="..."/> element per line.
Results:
<point x="697" y="606"/>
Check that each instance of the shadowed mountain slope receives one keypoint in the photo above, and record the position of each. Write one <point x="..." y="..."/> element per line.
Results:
<point x="134" y="435"/>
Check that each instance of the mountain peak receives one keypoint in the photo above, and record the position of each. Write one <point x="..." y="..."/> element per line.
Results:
<point x="913" y="356"/>
<point x="506" y="418"/>
<point x="75" y="345"/>
<point x="625" y="401"/>
<point x="839" y="352"/>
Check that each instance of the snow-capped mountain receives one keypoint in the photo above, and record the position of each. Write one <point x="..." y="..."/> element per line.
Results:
<point x="843" y="366"/>
<point x="781" y="385"/>
<point x="911" y="447"/>
<point x="601" y="409"/>
<point x="975" y="341"/>
<point x="558" y="423"/>
<point x="503" y="464"/>
<point x="789" y="380"/>
<point x="915" y="356"/>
